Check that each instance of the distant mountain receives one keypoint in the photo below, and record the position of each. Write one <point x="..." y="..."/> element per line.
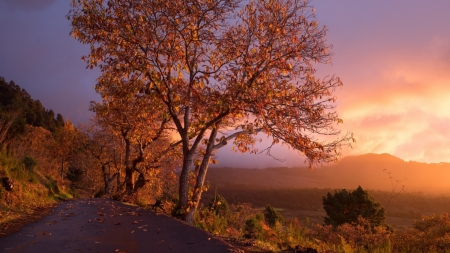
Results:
<point x="371" y="171"/>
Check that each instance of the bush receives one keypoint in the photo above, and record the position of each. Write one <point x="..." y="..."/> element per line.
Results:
<point x="359" y="234"/>
<point x="430" y="234"/>
<point x="346" y="207"/>
<point x="253" y="226"/>
<point x="210" y="221"/>
<point x="271" y="216"/>
<point x="219" y="205"/>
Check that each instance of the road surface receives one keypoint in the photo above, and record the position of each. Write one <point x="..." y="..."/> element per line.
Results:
<point x="100" y="225"/>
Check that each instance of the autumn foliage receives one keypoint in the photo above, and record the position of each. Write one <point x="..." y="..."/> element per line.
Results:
<point x="219" y="71"/>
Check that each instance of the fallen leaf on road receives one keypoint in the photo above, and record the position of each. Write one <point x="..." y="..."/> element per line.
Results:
<point x="135" y="222"/>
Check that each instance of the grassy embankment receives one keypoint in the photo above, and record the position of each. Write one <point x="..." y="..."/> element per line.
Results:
<point x="32" y="196"/>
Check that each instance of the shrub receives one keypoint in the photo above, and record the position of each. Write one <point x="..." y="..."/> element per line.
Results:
<point x="211" y="221"/>
<point x="253" y="226"/>
<point x="359" y="234"/>
<point x="271" y="216"/>
<point x="346" y="207"/>
<point x="430" y="234"/>
<point x="219" y="205"/>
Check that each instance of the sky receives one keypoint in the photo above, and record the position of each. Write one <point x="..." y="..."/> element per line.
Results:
<point x="392" y="56"/>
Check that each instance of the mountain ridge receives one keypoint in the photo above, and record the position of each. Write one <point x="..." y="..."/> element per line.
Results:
<point x="372" y="171"/>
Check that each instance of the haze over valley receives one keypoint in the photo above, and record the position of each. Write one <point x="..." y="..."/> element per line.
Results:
<point x="371" y="171"/>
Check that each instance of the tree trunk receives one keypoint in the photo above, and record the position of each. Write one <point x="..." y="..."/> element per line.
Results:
<point x="62" y="169"/>
<point x="108" y="180"/>
<point x="200" y="180"/>
<point x="128" y="168"/>
<point x="184" y="184"/>
<point x="140" y="182"/>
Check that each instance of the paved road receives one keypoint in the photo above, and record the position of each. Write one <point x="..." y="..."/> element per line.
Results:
<point x="103" y="226"/>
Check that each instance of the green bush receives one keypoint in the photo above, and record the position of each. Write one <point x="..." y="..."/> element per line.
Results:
<point x="253" y="226"/>
<point x="346" y="207"/>
<point x="271" y="216"/>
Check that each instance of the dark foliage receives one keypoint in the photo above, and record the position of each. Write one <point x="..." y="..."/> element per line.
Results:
<point x="219" y="205"/>
<point x="17" y="108"/>
<point x="345" y="207"/>
<point x="271" y="216"/>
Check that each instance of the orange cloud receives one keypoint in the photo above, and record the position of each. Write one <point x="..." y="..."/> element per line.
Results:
<point x="403" y="107"/>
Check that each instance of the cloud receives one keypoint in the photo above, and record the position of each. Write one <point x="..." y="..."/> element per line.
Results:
<point x="29" y="5"/>
<point x="404" y="109"/>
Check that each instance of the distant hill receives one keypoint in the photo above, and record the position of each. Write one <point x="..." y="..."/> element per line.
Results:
<point x="17" y="109"/>
<point x="371" y="171"/>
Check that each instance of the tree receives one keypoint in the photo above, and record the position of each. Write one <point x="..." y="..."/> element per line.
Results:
<point x="63" y="147"/>
<point x="105" y="147"/>
<point x="59" y="121"/>
<point x="346" y="207"/>
<point x="142" y="128"/>
<point x="220" y="70"/>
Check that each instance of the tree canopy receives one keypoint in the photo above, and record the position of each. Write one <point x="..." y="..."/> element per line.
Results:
<point x="346" y="207"/>
<point x="220" y="71"/>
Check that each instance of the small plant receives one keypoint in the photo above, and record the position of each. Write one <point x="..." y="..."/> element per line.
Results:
<point x="211" y="221"/>
<point x="394" y="186"/>
<point x="271" y="216"/>
<point x="253" y="226"/>
<point x="219" y="205"/>
<point x="29" y="163"/>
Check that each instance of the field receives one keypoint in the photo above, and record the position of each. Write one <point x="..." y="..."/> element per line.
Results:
<point x="306" y="203"/>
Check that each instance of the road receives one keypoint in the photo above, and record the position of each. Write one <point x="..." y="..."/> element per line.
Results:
<point x="100" y="225"/>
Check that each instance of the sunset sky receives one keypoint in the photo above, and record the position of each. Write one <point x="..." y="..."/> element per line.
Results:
<point x="392" y="56"/>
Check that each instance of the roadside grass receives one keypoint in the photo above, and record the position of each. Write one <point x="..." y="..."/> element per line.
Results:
<point x="32" y="192"/>
<point x="266" y="229"/>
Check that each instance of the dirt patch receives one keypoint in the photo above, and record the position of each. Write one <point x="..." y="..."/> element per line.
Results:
<point x="33" y="215"/>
